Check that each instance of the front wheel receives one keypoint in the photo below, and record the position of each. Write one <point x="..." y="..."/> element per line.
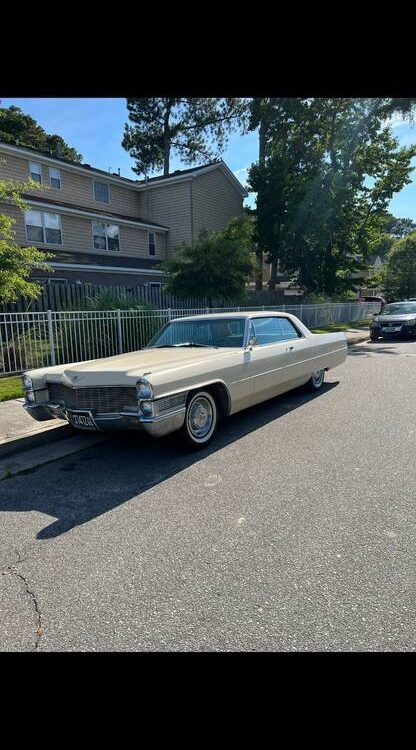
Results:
<point x="201" y="420"/>
<point x="315" y="382"/>
<point x="373" y="337"/>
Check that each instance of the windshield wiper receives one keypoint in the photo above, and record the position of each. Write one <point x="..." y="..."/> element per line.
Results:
<point x="192" y="343"/>
<point x="176" y="346"/>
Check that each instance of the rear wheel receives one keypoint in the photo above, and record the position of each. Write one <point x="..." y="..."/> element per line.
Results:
<point x="315" y="382"/>
<point x="201" y="420"/>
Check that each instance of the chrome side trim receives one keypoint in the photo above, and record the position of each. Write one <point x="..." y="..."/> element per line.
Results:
<point x="161" y="417"/>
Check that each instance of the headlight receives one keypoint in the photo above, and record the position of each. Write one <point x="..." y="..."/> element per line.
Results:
<point x="30" y="397"/>
<point x="146" y="407"/>
<point x="144" y="390"/>
<point x="27" y="382"/>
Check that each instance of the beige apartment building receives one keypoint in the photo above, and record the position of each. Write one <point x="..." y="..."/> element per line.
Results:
<point x="104" y="228"/>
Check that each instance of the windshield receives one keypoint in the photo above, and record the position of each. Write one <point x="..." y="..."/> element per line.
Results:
<point x="217" y="332"/>
<point x="396" y="308"/>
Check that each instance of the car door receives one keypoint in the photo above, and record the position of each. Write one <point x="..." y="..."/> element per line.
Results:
<point x="267" y="357"/>
<point x="300" y="352"/>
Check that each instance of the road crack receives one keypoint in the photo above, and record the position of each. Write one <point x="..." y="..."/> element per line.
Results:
<point x="31" y="594"/>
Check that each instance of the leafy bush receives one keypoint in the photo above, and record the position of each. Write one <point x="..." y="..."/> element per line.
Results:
<point x="26" y="351"/>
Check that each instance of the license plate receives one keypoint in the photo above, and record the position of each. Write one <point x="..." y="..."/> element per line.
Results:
<point x="391" y="329"/>
<point x="83" y="420"/>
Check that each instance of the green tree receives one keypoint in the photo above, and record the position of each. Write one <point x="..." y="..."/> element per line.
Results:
<point x="18" y="128"/>
<point x="398" y="227"/>
<point x="217" y="266"/>
<point x="391" y="228"/>
<point x="17" y="262"/>
<point x="196" y="129"/>
<point x="331" y="167"/>
<point x="400" y="271"/>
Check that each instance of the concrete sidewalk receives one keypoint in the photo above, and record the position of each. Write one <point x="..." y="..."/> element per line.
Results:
<point x="26" y="444"/>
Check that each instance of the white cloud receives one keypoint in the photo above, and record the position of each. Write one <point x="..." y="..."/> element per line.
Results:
<point x="396" y="121"/>
<point x="242" y="174"/>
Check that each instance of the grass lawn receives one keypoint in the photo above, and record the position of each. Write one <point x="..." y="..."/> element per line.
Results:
<point x="10" y="388"/>
<point x="342" y="326"/>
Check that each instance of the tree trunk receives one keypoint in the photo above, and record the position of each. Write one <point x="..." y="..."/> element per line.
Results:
<point x="262" y="156"/>
<point x="166" y="155"/>
<point x="166" y="137"/>
<point x="259" y="270"/>
<point x="273" y="275"/>
<point x="262" y="141"/>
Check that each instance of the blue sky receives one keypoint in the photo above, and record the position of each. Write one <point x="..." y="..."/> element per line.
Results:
<point x="95" y="128"/>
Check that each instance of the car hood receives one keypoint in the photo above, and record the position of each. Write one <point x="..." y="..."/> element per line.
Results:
<point x="396" y="318"/>
<point x="124" y="369"/>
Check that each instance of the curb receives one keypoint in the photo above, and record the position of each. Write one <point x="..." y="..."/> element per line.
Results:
<point x="29" y="460"/>
<point x="359" y="338"/>
<point x="20" y="443"/>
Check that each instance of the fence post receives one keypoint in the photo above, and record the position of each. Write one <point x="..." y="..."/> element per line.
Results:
<point x="119" y="332"/>
<point x="207" y="310"/>
<point x="169" y="313"/>
<point x="301" y="313"/>
<point x="51" y="341"/>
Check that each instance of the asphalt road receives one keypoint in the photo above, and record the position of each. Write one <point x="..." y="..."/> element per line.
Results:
<point x="294" y="531"/>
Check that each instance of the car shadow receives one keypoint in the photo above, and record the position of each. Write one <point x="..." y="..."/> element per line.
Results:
<point x="381" y="346"/>
<point x="81" y="487"/>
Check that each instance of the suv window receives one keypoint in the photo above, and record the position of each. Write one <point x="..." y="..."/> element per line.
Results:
<point x="272" y="330"/>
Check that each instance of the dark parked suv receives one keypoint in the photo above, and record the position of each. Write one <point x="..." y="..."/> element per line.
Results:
<point x="397" y="319"/>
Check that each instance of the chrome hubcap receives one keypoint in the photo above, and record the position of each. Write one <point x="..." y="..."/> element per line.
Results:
<point x="200" y="417"/>
<point x="318" y="377"/>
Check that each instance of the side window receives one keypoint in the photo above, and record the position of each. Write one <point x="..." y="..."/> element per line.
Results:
<point x="272" y="330"/>
<point x="288" y="329"/>
<point x="266" y="330"/>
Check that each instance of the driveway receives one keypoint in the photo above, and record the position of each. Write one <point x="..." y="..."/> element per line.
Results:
<point x="293" y="531"/>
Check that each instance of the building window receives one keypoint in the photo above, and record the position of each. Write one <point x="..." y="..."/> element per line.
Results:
<point x="43" y="227"/>
<point x="35" y="172"/>
<point x="55" y="178"/>
<point x="101" y="192"/>
<point x="105" y="236"/>
<point x="152" y="243"/>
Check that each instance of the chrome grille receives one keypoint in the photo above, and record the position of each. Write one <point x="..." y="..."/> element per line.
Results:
<point x="170" y="402"/>
<point x="103" y="399"/>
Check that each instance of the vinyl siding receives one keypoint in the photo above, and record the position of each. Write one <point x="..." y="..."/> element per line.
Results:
<point x="75" y="188"/>
<point x="77" y="236"/>
<point x="215" y="201"/>
<point x="170" y="205"/>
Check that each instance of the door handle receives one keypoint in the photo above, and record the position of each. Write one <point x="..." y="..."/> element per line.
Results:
<point x="290" y="348"/>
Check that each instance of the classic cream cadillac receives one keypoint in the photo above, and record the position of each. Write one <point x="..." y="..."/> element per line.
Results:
<point x="194" y="371"/>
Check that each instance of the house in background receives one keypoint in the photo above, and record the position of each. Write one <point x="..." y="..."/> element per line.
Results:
<point x="107" y="229"/>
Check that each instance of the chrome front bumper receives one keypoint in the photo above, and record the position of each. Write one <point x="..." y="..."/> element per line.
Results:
<point x="157" y="426"/>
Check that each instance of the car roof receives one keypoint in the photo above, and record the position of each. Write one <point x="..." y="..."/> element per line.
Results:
<point x="251" y="314"/>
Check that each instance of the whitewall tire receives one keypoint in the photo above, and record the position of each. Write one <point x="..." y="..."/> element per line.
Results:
<point x="201" y="419"/>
